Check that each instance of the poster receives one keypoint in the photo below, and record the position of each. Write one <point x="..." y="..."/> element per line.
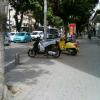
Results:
<point x="72" y="28"/>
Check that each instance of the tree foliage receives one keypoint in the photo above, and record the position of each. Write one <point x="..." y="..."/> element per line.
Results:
<point x="77" y="11"/>
<point x="53" y="20"/>
<point x="37" y="7"/>
<point x="59" y="11"/>
<point x="21" y="7"/>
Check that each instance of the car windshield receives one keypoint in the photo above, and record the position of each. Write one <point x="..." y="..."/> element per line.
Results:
<point x="20" y="34"/>
<point x="12" y="33"/>
<point x="34" y="33"/>
<point x="52" y="31"/>
<point x="49" y="30"/>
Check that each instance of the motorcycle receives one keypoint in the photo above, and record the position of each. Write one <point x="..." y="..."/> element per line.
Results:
<point x="70" y="47"/>
<point x="48" y="48"/>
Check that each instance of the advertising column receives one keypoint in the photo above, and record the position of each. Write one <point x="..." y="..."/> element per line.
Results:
<point x="72" y="28"/>
<point x="72" y="31"/>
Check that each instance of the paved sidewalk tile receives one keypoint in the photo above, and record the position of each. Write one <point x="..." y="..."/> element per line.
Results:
<point x="48" y="79"/>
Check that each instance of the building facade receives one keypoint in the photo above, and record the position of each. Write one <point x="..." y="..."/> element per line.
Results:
<point x="27" y="23"/>
<point x="96" y="19"/>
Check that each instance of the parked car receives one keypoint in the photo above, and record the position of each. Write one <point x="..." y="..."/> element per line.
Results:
<point x="22" y="37"/>
<point x="7" y="41"/>
<point x="36" y="34"/>
<point x="11" y="35"/>
<point x="51" y="32"/>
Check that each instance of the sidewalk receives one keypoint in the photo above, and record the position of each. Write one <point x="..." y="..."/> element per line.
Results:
<point x="47" y="79"/>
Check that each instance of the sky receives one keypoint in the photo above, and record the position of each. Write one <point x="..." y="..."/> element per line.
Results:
<point x="98" y="6"/>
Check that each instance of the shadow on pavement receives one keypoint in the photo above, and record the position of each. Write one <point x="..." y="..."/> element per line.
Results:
<point x="29" y="71"/>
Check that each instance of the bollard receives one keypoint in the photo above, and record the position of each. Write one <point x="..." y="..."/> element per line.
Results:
<point x="17" y="59"/>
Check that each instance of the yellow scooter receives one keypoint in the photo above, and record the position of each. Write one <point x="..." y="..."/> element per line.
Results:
<point x="69" y="46"/>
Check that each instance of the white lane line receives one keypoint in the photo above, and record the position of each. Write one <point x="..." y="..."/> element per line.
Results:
<point x="9" y="63"/>
<point x="13" y="61"/>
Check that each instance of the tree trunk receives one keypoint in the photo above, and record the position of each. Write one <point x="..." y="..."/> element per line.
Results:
<point x="66" y="26"/>
<point x="18" y="21"/>
<point x="2" y="84"/>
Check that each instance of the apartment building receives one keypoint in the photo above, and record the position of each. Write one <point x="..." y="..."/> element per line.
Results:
<point x="27" y="23"/>
<point x="96" y="19"/>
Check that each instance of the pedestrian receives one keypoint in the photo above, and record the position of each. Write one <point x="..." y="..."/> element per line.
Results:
<point x="73" y="36"/>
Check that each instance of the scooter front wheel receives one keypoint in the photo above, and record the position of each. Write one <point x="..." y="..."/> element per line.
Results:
<point x="31" y="53"/>
<point x="57" y="53"/>
<point x="72" y="51"/>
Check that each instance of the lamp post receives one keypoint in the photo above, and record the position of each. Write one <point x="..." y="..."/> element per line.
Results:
<point x="3" y="13"/>
<point x="45" y="19"/>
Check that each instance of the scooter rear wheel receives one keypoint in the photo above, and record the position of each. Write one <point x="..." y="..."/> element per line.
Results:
<point x="72" y="51"/>
<point x="31" y="53"/>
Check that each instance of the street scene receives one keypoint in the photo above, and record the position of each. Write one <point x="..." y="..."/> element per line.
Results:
<point x="50" y="50"/>
<point x="67" y="77"/>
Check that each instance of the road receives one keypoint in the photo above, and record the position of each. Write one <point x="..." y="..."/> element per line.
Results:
<point x="11" y="51"/>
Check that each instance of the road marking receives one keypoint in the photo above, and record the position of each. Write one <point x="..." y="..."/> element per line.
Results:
<point x="13" y="61"/>
<point x="9" y="63"/>
<point x="18" y="46"/>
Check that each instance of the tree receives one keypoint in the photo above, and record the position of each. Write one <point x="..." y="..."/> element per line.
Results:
<point x="73" y="10"/>
<point x="67" y="10"/>
<point x="21" y="7"/>
<point x="38" y="12"/>
<point x="52" y="19"/>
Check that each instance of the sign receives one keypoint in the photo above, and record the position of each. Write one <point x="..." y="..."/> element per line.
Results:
<point x="72" y="28"/>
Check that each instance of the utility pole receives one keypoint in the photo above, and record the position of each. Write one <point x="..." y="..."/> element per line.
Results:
<point x="3" y="13"/>
<point x="45" y="20"/>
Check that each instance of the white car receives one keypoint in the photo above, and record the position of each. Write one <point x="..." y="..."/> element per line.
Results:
<point x="36" y="34"/>
<point x="11" y="35"/>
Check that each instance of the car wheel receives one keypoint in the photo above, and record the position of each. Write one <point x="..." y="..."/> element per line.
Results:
<point x="25" y="41"/>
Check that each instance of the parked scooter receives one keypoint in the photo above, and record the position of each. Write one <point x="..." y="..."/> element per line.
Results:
<point x="48" y="48"/>
<point x="69" y="46"/>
